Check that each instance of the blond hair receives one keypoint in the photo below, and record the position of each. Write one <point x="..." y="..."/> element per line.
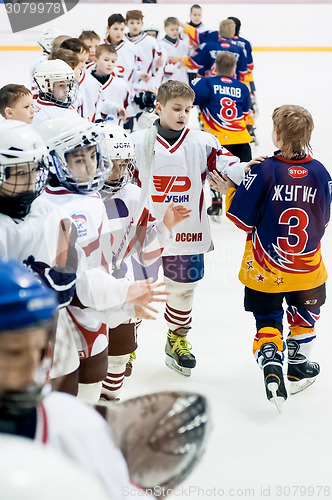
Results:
<point x="227" y="28"/>
<point x="172" y="89"/>
<point x="225" y="63"/>
<point x="171" y="20"/>
<point x="294" y="126"/>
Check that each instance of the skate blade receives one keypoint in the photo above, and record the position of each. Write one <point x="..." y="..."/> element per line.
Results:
<point x="170" y="362"/>
<point x="216" y="218"/>
<point x="300" y="385"/>
<point x="276" y="400"/>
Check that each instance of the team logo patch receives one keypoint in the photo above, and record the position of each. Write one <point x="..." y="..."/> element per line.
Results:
<point x="81" y="224"/>
<point x="297" y="172"/>
<point x="248" y="180"/>
<point x="166" y="184"/>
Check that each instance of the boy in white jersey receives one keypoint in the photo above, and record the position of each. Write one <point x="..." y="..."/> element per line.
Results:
<point x="172" y="45"/>
<point x="181" y="162"/>
<point x="126" y="62"/>
<point x="121" y="199"/>
<point x="57" y="90"/>
<point x="114" y="91"/>
<point x="91" y="40"/>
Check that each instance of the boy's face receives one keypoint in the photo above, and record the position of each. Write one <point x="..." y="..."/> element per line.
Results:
<point x="118" y="169"/>
<point x="61" y="91"/>
<point x="83" y="57"/>
<point x="82" y="163"/>
<point x="20" y="356"/>
<point x="22" y="110"/>
<point x="174" y="115"/>
<point x="135" y="26"/>
<point x="22" y="179"/>
<point x="92" y="43"/>
<point x="105" y="63"/>
<point x="151" y="33"/>
<point x="172" y="30"/>
<point x="116" y="32"/>
<point x="196" y="16"/>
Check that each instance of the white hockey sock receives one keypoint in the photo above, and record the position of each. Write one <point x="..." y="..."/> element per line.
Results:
<point x="115" y="376"/>
<point x="89" y="393"/>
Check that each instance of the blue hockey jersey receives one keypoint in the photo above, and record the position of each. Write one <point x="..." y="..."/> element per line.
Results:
<point x="284" y="206"/>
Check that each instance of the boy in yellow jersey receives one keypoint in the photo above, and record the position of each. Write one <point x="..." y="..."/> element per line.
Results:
<point x="283" y="204"/>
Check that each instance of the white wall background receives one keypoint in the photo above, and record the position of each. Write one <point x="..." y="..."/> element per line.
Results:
<point x="263" y="24"/>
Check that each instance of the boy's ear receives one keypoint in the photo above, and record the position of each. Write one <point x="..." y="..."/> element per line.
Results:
<point x="8" y="112"/>
<point x="158" y="106"/>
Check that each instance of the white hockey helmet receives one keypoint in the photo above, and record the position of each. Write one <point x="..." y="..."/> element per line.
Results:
<point x="21" y="146"/>
<point x="33" y="471"/>
<point x="150" y="27"/>
<point x="47" y="37"/>
<point x="121" y="151"/>
<point x="51" y="71"/>
<point x="73" y="134"/>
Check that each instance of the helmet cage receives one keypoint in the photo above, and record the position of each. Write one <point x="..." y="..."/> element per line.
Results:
<point x="74" y="183"/>
<point x="111" y="186"/>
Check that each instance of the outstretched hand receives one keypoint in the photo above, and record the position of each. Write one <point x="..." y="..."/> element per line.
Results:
<point x="141" y="293"/>
<point x="175" y="214"/>
<point x="220" y="182"/>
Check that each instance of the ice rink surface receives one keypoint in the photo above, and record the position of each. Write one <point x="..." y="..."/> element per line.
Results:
<point x="253" y="452"/>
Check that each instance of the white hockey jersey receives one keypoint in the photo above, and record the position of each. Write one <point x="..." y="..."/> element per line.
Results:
<point x="173" y="71"/>
<point x="89" y="96"/>
<point x="179" y="173"/>
<point x="126" y="62"/>
<point x="147" y="52"/>
<point x="114" y="93"/>
<point x="45" y="110"/>
<point x="77" y="431"/>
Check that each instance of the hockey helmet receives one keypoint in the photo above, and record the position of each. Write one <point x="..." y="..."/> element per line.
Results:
<point x="47" y="37"/>
<point x="121" y="151"/>
<point x="24" y="167"/>
<point x="27" y="326"/>
<point x="52" y="71"/>
<point x="70" y="137"/>
<point x="151" y="27"/>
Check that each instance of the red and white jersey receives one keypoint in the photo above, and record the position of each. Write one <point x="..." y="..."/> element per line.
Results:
<point x="45" y="110"/>
<point x="151" y="237"/>
<point x="147" y="52"/>
<point x="126" y="61"/>
<point x="89" y="95"/>
<point x="76" y="430"/>
<point x="103" y="295"/>
<point x="173" y="71"/>
<point x="178" y="174"/>
<point x="114" y="93"/>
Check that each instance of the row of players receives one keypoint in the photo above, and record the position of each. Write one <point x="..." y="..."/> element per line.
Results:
<point x="182" y="160"/>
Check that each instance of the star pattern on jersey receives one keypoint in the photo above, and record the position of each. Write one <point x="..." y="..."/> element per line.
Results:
<point x="260" y="278"/>
<point x="279" y="280"/>
<point x="249" y="264"/>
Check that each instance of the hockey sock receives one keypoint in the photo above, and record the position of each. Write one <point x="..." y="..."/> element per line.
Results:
<point x="89" y="393"/>
<point x="115" y="376"/>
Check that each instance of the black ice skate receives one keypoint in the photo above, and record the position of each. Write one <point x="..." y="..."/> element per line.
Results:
<point x="273" y="376"/>
<point x="215" y="210"/>
<point x="179" y="357"/>
<point x="301" y="372"/>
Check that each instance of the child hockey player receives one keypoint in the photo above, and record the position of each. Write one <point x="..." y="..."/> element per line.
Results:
<point x="91" y="40"/>
<point x="173" y="46"/>
<point x="57" y="90"/>
<point x="77" y="151"/>
<point x="224" y="103"/>
<point x="151" y="237"/>
<point x="114" y="91"/>
<point x="180" y="165"/>
<point x="126" y="62"/>
<point x="61" y="422"/>
<point x="16" y="103"/>
<point x="284" y="206"/>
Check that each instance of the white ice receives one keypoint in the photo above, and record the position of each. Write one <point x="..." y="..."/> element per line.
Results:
<point x="253" y="452"/>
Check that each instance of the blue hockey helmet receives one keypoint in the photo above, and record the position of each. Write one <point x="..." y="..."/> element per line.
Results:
<point x="24" y="301"/>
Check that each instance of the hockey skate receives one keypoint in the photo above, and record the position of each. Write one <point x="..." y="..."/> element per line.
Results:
<point x="179" y="357"/>
<point x="129" y="365"/>
<point x="215" y="211"/>
<point x="273" y="376"/>
<point x="251" y="130"/>
<point x="301" y="372"/>
<point x="162" y="436"/>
